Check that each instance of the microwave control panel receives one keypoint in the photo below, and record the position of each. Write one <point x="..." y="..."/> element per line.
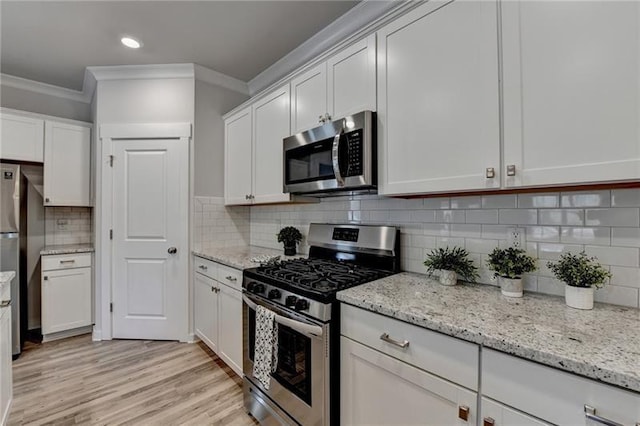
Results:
<point x="354" y="153"/>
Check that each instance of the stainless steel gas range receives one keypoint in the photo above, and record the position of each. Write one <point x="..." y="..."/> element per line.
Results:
<point x="304" y="388"/>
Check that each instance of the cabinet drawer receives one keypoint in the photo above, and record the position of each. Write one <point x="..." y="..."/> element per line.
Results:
<point x="444" y="356"/>
<point x="230" y="276"/>
<point x="66" y="261"/>
<point x="206" y="267"/>
<point x="553" y="395"/>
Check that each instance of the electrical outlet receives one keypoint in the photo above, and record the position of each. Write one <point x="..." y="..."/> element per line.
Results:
<point x="515" y="237"/>
<point x="62" y="224"/>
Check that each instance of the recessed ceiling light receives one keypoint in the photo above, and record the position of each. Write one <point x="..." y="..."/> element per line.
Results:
<point x="130" y="42"/>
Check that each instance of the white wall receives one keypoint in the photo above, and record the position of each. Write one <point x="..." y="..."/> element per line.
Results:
<point x="26" y="100"/>
<point x="211" y="102"/>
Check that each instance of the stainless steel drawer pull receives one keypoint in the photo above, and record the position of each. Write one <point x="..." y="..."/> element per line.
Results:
<point x="490" y="173"/>
<point x="204" y="268"/>
<point x="511" y="170"/>
<point x="230" y="278"/>
<point x="385" y="336"/>
<point x="590" y="413"/>
<point x="68" y="261"/>
<point x="5" y="303"/>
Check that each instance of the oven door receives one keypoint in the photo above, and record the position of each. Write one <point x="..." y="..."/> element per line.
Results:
<point x="300" y="383"/>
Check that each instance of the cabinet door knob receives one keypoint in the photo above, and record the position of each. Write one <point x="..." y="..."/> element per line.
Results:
<point x="46" y="200"/>
<point x="490" y="173"/>
<point x="488" y="421"/>
<point x="463" y="412"/>
<point x="172" y="250"/>
<point x="511" y="170"/>
<point x="5" y="303"/>
<point x="46" y="278"/>
<point x="230" y="278"/>
<point x="204" y="268"/>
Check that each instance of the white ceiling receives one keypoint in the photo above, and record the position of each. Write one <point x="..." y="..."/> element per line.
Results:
<point x="54" y="41"/>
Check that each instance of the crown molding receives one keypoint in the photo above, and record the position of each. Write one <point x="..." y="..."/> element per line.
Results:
<point x="364" y="18"/>
<point x="44" y="88"/>
<point x="216" y="78"/>
<point x="141" y="72"/>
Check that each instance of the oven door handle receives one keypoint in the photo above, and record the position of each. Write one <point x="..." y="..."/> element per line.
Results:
<point x="300" y="327"/>
<point x="335" y="156"/>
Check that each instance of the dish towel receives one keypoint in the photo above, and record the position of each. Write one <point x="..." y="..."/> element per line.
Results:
<point x="265" y="359"/>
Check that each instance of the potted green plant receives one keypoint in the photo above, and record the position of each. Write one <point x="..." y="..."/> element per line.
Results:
<point x="580" y="274"/>
<point x="290" y="236"/>
<point x="449" y="263"/>
<point x="509" y="264"/>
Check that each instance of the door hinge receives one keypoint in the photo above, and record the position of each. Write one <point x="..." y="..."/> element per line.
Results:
<point x="111" y="160"/>
<point x="110" y="307"/>
<point x="111" y="234"/>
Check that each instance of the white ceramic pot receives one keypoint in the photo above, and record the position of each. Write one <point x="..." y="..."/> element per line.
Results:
<point x="447" y="277"/>
<point x="578" y="297"/>
<point x="511" y="287"/>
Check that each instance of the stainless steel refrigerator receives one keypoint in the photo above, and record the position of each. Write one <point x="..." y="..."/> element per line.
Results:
<point x="22" y="236"/>
<point x="11" y="242"/>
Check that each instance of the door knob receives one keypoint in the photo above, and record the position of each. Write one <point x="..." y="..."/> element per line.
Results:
<point x="172" y="250"/>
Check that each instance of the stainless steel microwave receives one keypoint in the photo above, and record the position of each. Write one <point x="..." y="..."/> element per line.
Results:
<point x="338" y="156"/>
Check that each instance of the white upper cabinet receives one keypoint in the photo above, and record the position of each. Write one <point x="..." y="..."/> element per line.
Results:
<point x="67" y="164"/>
<point x="351" y="79"/>
<point x="270" y="126"/>
<point x="343" y="85"/>
<point x="238" y="169"/>
<point x="21" y="138"/>
<point x="571" y="91"/>
<point x="438" y="104"/>
<point x="309" y="99"/>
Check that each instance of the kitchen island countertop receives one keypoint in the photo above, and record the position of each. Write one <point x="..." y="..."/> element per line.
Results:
<point x="239" y="257"/>
<point x="602" y="344"/>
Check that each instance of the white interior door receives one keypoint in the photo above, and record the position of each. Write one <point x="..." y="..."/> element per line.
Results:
<point x="150" y="210"/>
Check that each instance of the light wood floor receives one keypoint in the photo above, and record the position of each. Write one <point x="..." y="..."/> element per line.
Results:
<point x="77" y="381"/>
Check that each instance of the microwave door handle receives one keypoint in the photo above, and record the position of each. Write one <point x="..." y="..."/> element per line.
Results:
<point x="300" y="327"/>
<point x="335" y="151"/>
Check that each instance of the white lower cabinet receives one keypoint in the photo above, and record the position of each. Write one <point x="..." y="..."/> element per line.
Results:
<point x="396" y="373"/>
<point x="552" y="395"/>
<point x="495" y="414"/>
<point x="66" y="293"/>
<point x="6" y="375"/>
<point x="217" y="310"/>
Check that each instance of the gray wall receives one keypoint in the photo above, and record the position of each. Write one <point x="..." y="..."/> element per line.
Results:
<point x="25" y="100"/>
<point x="211" y="103"/>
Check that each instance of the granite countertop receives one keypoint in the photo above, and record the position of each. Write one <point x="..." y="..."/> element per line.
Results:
<point x="240" y="257"/>
<point x="6" y="277"/>
<point x="602" y="344"/>
<point x="66" y="249"/>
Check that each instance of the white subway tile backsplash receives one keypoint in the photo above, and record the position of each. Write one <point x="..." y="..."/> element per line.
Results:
<point x="580" y="235"/>
<point x="613" y="217"/>
<point x="625" y="276"/>
<point x="625" y="198"/>
<point x="469" y="202"/>
<point x="543" y="233"/>
<point x="538" y="201"/>
<point x="508" y="201"/>
<point x="617" y="295"/>
<point x="618" y="256"/>
<point x="625" y="237"/>
<point x="518" y="216"/>
<point x="482" y="216"/>
<point x="561" y="217"/>
<point x="586" y="199"/>
<point x="450" y="216"/>
<point x="465" y="230"/>
<point x="478" y="223"/>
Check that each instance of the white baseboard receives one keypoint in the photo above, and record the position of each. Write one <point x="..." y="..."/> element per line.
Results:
<point x="97" y="335"/>
<point x="67" y="333"/>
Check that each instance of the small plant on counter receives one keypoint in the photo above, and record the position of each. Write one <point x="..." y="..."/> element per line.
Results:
<point x="290" y="236"/>
<point x="509" y="264"/>
<point x="581" y="274"/>
<point x="448" y="263"/>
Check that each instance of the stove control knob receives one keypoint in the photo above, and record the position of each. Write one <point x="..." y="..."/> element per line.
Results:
<point x="290" y="301"/>
<point x="274" y="294"/>
<point x="302" y="305"/>
<point x="251" y="286"/>
<point x="257" y="288"/>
